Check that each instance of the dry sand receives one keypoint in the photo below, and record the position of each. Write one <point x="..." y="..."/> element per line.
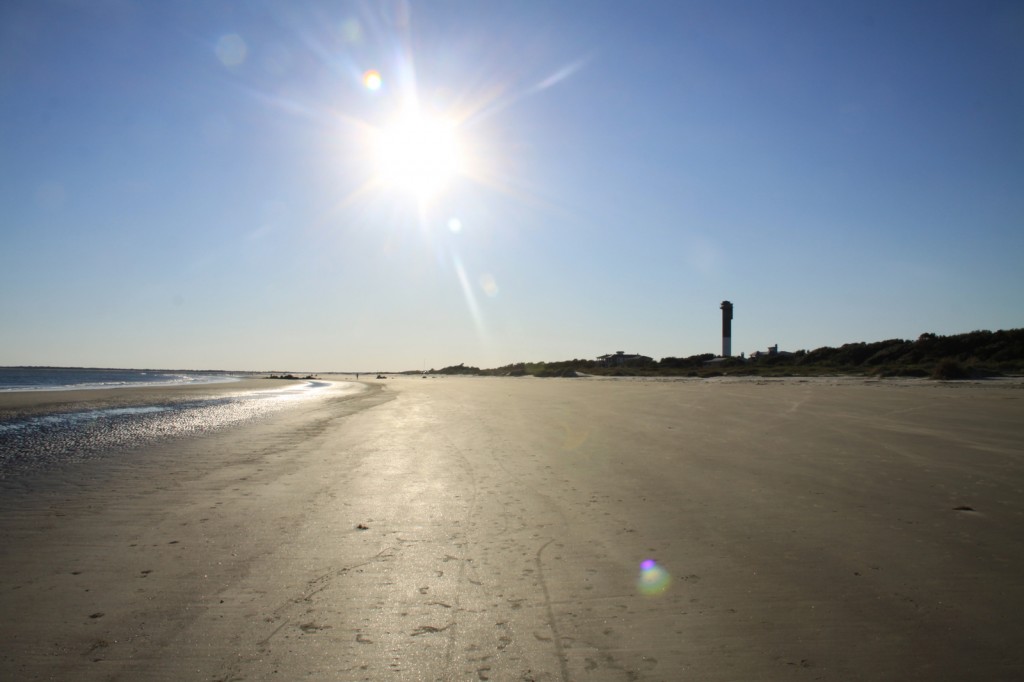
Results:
<point x="474" y="529"/>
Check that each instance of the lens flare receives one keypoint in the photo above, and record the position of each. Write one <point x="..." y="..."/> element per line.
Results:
<point x="653" y="578"/>
<point x="372" y="80"/>
<point x="352" y="32"/>
<point x="231" y="50"/>
<point x="488" y="284"/>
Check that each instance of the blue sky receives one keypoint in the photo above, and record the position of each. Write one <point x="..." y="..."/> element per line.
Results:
<point x="196" y="184"/>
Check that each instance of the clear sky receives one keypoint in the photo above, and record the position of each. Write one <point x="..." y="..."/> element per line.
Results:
<point x="388" y="185"/>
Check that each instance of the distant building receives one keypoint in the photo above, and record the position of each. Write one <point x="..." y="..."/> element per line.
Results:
<point x="621" y="358"/>
<point x="773" y="351"/>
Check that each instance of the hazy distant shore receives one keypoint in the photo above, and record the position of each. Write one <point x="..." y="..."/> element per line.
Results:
<point x="501" y="528"/>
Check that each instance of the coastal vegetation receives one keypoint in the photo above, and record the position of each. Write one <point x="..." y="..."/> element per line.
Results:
<point x="973" y="355"/>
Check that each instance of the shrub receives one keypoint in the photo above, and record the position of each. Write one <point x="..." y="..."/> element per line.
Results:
<point x="949" y="369"/>
<point x="890" y="371"/>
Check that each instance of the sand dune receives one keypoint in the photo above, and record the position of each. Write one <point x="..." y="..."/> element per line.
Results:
<point x="494" y="528"/>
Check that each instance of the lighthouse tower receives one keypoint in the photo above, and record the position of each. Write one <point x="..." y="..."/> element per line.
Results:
<point x="726" y="329"/>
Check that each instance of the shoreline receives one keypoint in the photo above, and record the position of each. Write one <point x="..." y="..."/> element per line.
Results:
<point x="62" y="434"/>
<point x="15" y="404"/>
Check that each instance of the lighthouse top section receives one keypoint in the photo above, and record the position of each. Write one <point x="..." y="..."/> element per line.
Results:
<point x="726" y="310"/>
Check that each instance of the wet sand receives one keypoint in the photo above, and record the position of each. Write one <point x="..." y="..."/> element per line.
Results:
<point x="20" y="403"/>
<point x="494" y="528"/>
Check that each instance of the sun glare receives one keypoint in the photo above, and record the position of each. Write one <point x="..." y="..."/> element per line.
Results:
<point x="419" y="154"/>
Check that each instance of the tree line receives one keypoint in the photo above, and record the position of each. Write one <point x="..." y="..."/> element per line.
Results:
<point x="976" y="354"/>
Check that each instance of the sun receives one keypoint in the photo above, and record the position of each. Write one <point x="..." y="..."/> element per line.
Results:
<point x="419" y="153"/>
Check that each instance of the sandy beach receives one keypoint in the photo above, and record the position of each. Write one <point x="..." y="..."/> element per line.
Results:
<point x="495" y="528"/>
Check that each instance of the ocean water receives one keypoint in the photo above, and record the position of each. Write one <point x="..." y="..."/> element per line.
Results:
<point x="36" y="443"/>
<point x="54" y="378"/>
